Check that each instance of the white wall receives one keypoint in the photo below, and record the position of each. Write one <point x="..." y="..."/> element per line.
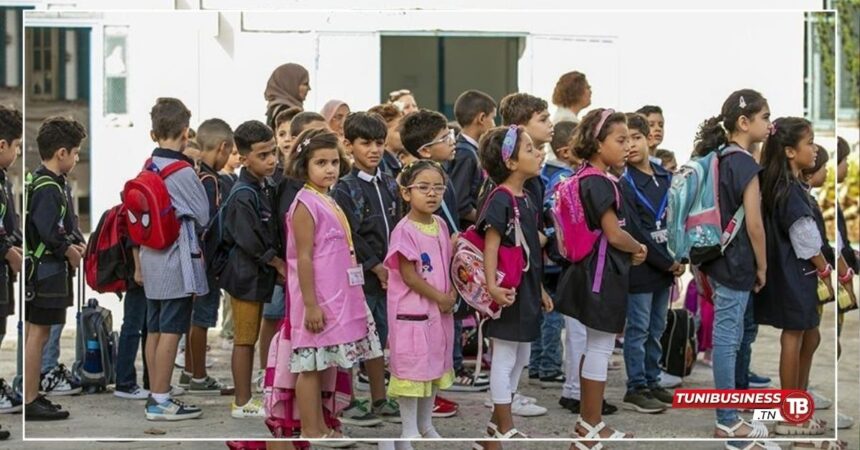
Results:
<point x="218" y="64"/>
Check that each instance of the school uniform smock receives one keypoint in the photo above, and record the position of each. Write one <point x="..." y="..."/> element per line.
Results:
<point x="645" y="198"/>
<point x="250" y="227"/>
<point x="421" y="338"/>
<point x="606" y="309"/>
<point x="826" y="249"/>
<point x="789" y="300"/>
<point x="518" y="322"/>
<point x="736" y="268"/>
<point x="347" y="337"/>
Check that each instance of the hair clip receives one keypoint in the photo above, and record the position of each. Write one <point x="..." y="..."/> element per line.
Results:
<point x="510" y="143"/>
<point x="603" y="116"/>
<point x="723" y="127"/>
<point x="742" y="103"/>
<point x="304" y="144"/>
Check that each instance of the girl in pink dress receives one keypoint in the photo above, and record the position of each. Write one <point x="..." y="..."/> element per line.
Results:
<point x="331" y="326"/>
<point x="420" y="299"/>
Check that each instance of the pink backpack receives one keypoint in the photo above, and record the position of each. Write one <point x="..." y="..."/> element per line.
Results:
<point x="575" y="240"/>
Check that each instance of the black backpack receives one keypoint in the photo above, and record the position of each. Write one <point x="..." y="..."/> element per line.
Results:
<point x="679" y="343"/>
<point x="96" y="343"/>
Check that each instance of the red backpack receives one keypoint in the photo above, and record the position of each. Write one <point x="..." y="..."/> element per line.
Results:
<point x="107" y="260"/>
<point x="152" y="220"/>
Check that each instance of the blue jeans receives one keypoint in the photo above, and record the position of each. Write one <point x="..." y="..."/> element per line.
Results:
<point x="51" y="351"/>
<point x="546" y="350"/>
<point x="132" y="332"/>
<point x="742" y="368"/>
<point x="378" y="305"/>
<point x="646" y="320"/>
<point x="729" y="310"/>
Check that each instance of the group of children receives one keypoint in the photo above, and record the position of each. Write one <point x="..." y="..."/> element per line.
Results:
<point x="345" y="222"/>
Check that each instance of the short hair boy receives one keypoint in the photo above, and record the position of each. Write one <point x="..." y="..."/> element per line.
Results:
<point x="654" y="115"/>
<point x="475" y="112"/>
<point x="305" y="120"/>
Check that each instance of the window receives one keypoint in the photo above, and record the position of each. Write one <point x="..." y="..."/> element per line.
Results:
<point x="116" y="71"/>
<point x="43" y="64"/>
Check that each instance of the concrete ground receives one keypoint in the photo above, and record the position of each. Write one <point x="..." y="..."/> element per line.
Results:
<point x="103" y="416"/>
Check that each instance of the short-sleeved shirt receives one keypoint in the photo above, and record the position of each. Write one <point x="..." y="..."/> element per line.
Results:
<point x="519" y="322"/>
<point x="789" y="298"/>
<point x="736" y="269"/>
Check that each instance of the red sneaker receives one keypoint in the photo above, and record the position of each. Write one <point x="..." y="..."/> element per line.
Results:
<point x="444" y="408"/>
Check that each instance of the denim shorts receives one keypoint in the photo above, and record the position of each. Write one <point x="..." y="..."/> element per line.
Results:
<point x="275" y="309"/>
<point x="204" y="312"/>
<point x="168" y="316"/>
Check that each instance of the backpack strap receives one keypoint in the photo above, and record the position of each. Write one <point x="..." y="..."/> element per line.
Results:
<point x="734" y="224"/>
<point x="167" y="170"/>
<point x="519" y="237"/>
<point x="36" y="184"/>
<point x="209" y="176"/>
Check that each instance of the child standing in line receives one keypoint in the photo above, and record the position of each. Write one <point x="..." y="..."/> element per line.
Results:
<point x="602" y="140"/>
<point x="420" y="300"/>
<point x="332" y="325"/>
<point x="228" y="177"/>
<point x="510" y="158"/>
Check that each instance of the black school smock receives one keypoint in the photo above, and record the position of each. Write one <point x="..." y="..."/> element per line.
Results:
<point x="652" y="275"/>
<point x="519" y="322"/>
<point x="789" y="299"/>
<point x="249" y="226"/>
<point x="606" y="310"/>
<point x="826" y="249"/>
<point x="736" y="268"/>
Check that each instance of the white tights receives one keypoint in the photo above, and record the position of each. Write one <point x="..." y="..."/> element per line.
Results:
<point x="574" y="332"/>
<point x="417" y="417"/>
<point x="598" y="349"/>
<point x="509" y="360"/>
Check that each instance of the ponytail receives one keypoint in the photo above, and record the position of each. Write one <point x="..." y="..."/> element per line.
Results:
<point x="711" y="136"/>
<point x="714" y="132"/>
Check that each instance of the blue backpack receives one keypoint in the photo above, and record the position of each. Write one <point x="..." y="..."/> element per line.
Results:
<point x="693" y="217"/>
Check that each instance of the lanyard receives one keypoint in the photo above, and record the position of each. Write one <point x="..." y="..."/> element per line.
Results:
<point x="658" y="212"/>
<point x="341" y="217"/>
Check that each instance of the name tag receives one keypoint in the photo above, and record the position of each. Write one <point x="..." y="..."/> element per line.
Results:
<point x="356" y="276"/>
<point x="660" y="236"/>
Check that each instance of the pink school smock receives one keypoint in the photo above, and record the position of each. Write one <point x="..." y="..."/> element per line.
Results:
<point x="343" y="305"/>
<point x="420" y="348"/>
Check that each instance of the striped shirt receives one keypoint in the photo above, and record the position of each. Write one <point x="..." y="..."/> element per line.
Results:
<point x="179" y="270"/>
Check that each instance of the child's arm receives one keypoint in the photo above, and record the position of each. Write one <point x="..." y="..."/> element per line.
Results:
<point x="445" y="300"/>
<point x="621" y="239"/>
<point x="138" y="273"/>
<point x="755" y="231"/>
<point x="303" y="231"/>
<point x="248" y="231"/>
<point x="363" y="251"/>
<point x="45" y="215"/>
<point x="846" y="278"/>
<point x="500" y="295"/>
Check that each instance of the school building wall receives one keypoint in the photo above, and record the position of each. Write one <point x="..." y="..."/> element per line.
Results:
<point x="218" y="64"/>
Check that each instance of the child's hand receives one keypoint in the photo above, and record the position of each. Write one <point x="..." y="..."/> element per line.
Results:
<point x="639" y="257"/>
<point x="382" y="273"/>
<point x="138" y="276"/>
<point x="678" y="269"/>
<point x="546" y="301"/>
<point x="314" y="319"/>
<point x="502" y="296"/>
<point x="760" y="279"/>
<point x="73" y="255"/>
<point x="15" y="259"/>
<point x="447" y="301"/>
<point x="279" y="266"/>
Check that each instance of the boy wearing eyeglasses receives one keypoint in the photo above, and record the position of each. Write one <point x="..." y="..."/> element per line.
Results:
<point x="370" y="200"/>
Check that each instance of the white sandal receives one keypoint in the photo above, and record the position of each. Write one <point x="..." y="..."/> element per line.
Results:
<point x="343" y="443"/>
<point x="593" y="433"/>
<point x="825" y="445"/>
<point x="757" y="430"/>
<point x="813" y="428"/>
<point x="755" y="445"/>
<point x="511" y="434"/>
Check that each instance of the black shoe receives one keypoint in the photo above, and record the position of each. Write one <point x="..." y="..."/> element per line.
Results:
<point x="553" y="380"/>
<point x="4" y="435"/>
<point x="608" y="409"/>
<point x="570" y="404"/>
<point x="534" y="376"/>
<point x="43" y="409"/>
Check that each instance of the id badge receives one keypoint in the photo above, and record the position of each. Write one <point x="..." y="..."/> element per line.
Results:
<point x="356" y="276"/>
<point x="660" y="236"/>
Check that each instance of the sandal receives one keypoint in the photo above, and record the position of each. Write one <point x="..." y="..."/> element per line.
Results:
<point x="510" y="434"/>
<point x="823" y="445"/>
<point x="343" y="443"/>
<point x="757" y="430"/>
<point x="594" y="433"/>
<point x="813" y="427"/>
<point x="755" y="445"/>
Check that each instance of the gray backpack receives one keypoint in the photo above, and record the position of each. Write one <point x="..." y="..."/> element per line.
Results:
<point x="95" y="344"/>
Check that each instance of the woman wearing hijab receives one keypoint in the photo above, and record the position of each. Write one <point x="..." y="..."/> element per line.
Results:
<point x="335" y="112"/>
<point x="288" y="86"/>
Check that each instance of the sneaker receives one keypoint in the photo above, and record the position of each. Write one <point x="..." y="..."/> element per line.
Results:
<point x="387" y="409"/>
<point x="171" y="410"/>
<point x="363" y="380"/>
<point x="534" y="378"/>
<point x="209" y="386"/>
<point x="358" y="414"/>
<point x="4" y="435"/>
<point x="820" y="401"/>
<point x="10" y="401"/>
<point x="444" y="408"/>
<point x="184" y="380"/>
<point x="226" y="343"/>
<point x="619" y="346"/>
<point x="134" y="392"/>
<point x="42" y="409"/>
<point x="521" y="407"/>
<point x="517" y="398"/>
<point x="552" y="381"/>
<point x="758" y="381"/>
<point x="251" y="410"/>
<point x="642" y="401"/>
<point x="60" y="381"/>
<point x="663" y="395"/>
<point x="176" y="391"/>
<point x="570" y="404"/>
<point x="259" y="379"/>
<point x="669" y="381"/>
<point x="844" y="421"/>
<point x="608" y="408"/>
<point x="179" y="362"/>
<point x="465" y="381"/>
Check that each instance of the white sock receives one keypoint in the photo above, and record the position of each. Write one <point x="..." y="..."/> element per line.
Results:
<point x="199" y="380"/>
<point x="409" y="416"/>
<point x="160" y="398"/>
<point x="425" y="416"/>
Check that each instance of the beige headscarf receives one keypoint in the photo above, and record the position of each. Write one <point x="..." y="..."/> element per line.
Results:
<point x="283" y="87"/>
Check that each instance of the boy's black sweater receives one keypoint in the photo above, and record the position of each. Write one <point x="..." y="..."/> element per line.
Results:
<point x="466" y="176"/>
<point x="356" y="194"/>
<point x="250" y="230"/>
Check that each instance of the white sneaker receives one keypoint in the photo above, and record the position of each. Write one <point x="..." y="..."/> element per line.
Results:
<point x="820" y="401"/>
<point x="135" y="393"/>
<point x="488" y="403"/>
<point x="226" y="344"/>
<point x="176" y="391"/>
<point x="669" y="381"/>
<point x="180" y="358"/>
<point x="252" y="409"/>
<point x="525" y="409"/>
<point x="844" y="421"/>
